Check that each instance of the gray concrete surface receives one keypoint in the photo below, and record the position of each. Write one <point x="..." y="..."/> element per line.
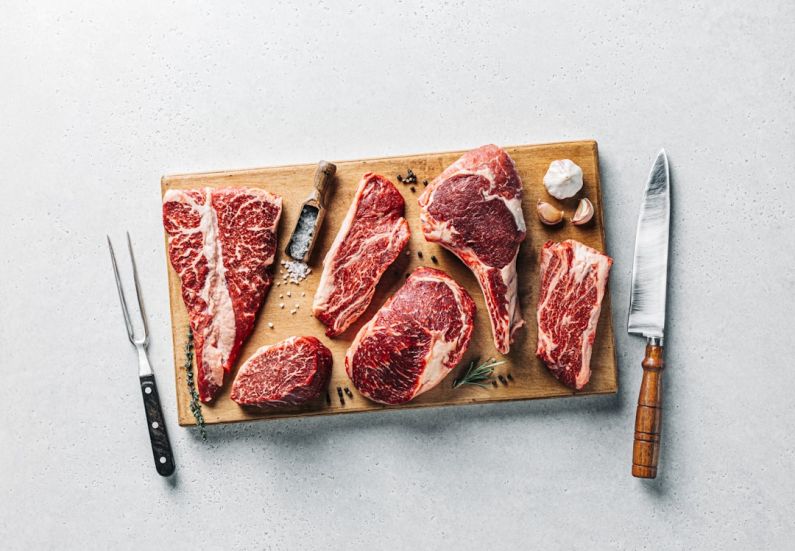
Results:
<point x="97" y="101"/>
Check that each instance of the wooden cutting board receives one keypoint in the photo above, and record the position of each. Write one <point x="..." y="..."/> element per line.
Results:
<point x="523" y="376"/>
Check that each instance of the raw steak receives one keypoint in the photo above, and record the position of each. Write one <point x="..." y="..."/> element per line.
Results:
<point x="573" y="281"/>
<point x="414" y="340"/>
<point x="370" y="239"/>
<point x="474" y="209"/>
<point x="221" y="242"/>
<point x="289" y="373"/>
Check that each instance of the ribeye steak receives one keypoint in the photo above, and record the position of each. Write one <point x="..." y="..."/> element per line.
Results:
<point x="289" y="373"/>
<point x="573" y="281"/>
<point x="414" y="340"/>
<point x="221" y="243"/>
<point x="474" y="209"/>
<point x="371" y="237"/>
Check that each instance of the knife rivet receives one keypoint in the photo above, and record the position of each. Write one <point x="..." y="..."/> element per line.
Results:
<point x="155" y="425"/>
<point x="148" y="390"/>
<point x="163" y="459"/>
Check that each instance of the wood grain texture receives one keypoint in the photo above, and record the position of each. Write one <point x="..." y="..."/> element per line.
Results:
<point x="528" y="378"/>
<point x="648" y="415"/>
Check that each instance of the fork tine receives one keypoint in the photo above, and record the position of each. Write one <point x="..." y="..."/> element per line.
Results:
<point x="124" y="310"/>
<point x="138" y="288"/>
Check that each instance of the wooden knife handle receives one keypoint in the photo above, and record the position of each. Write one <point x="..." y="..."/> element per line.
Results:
<point x="323" y="174"/>
<point x="648" y="416"/>
<point x="161" y="447"/>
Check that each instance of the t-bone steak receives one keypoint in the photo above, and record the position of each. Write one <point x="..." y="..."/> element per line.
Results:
<point x="573" y="281"/>
<point x="414" y="340"/>
<point x="370" y="239"/>
<point x="221" y="243"/>
<point x="474" y="209"/>
<point x="290" y="373"/>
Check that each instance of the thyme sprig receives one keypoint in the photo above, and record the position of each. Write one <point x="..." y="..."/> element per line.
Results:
<point x="478" y="375"/>
<point x="195" y="403"/>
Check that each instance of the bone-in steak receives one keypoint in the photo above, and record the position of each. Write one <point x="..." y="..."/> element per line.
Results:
<point x="289" y="373"/>
<point x="414" y="340"/>
<point x="221" y="243"/>
<point x="370" y="239"/>
<point x="573" y="281"/>
<point x="474" y="209"/>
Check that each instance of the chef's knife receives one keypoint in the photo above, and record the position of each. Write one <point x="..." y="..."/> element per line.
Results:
<point x="647" y="313"/>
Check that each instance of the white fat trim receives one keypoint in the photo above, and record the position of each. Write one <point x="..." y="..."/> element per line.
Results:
<point x="543" y="337"/>
<point x="436" y="363"/>
<point x="221" y="334"/>
<point x="601" y="267"/>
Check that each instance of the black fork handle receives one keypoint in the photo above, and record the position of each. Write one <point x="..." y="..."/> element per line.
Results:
<point x="161" y="447"/>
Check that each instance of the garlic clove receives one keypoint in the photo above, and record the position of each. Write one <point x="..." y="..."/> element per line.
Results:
<point x="563" y="179"/>
<point x="548" y="214"/>
<point x="584" y="213"/>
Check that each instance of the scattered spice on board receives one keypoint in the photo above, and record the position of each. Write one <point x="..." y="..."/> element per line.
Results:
<point x="502" y="380"/>
<point x="409" y="178"/>
<point x="425" y="183"/>
<point x="296" y="271"/>
<point x="195" y="403"/>
<point x="413" y="189"/>
<point x="348" y="392"/>
<point x="419" y="253"/>
<point x="434" y="259"/>
<point x="339" y="393"/>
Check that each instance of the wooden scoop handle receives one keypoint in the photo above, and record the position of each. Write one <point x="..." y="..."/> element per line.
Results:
<point x="648" y="416"/>
<point x="323" y="174"/>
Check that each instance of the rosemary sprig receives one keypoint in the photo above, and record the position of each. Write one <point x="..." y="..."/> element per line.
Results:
<point x="195" y="403"/>
<point x="478" y="374"/>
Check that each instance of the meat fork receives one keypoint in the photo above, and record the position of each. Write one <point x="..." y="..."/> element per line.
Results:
<point x="161" y="447"/>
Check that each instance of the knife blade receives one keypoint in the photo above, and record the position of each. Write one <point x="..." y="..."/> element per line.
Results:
<point x="647" y="312"/>
<point x="650" y="265"/>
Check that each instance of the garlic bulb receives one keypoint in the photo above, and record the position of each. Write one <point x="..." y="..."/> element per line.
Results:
<point x="563" y="179"/>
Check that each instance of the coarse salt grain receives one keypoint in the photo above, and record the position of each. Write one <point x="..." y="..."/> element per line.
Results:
<point x="296" y="271"/>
